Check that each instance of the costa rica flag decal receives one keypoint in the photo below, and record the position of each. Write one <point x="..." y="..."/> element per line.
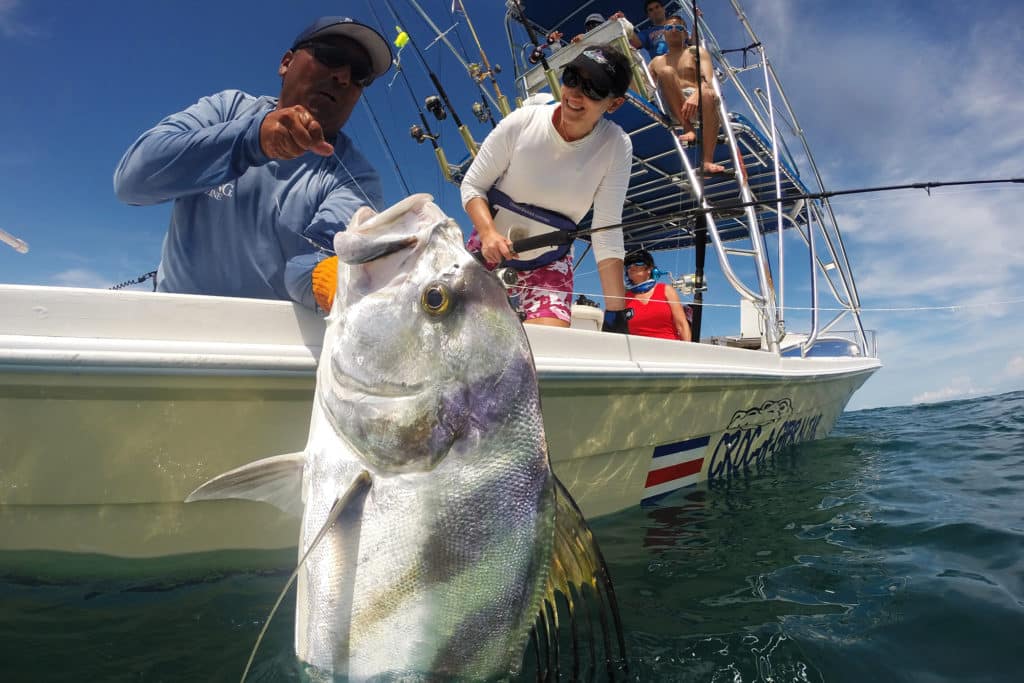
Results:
<point x="674" y="466"/>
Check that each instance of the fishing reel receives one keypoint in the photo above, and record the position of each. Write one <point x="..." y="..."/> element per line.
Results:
<point x="435" y="107"/>
<point x="508" y="277"/>
<point x="688" y="284"/>
<point x="419" y="135"/>
<point x="481" y="112"/>
<point x="478" y="74"/>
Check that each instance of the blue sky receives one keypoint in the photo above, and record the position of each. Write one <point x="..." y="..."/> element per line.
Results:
<point x="887" y="92"/>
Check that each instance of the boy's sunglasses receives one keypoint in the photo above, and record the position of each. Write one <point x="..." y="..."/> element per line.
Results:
<point x="337" y="55"/>
<point x="571" y="78"/>
<point x="670" y="27"/>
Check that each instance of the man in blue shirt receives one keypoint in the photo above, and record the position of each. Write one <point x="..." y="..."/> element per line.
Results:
<point x="261" y="185"/>
<point x="652" y="38"/>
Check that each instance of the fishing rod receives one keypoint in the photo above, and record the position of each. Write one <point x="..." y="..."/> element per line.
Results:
<point x="481" y="110"/>
<point x="698" y="135"/>
<point x="418" y="134"/>
<point x="15" y="243"/>
<point x="515" y="8"/>
<point x="444" y="39"/>
<point x="488" y="71"/>
<point x="467" y="137"/>
<point x="560" y="237"/>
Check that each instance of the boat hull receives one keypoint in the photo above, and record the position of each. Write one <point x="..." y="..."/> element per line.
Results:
<point x="114" y="406"/>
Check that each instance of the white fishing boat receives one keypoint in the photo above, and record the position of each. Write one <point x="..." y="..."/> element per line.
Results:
<point x="114" y="405"/>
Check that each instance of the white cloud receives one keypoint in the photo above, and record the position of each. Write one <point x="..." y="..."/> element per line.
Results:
<point x="874" y="89"/>
<point x="80" y="277"/>
<point x="961" y="387"/>
<point x="10" y="25"/>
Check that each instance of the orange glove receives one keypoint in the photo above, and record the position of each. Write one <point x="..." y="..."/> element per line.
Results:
<point x="325" y="282"/>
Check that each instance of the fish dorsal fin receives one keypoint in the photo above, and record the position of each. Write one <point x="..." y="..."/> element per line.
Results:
<point x="359" y="485"/>
<point x="276" y="480"/>
<point x="579" y="574"/>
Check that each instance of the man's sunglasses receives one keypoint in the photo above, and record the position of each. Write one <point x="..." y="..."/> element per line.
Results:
<point x="670" y="27"/>
<point x="337" y="55"/>
<point x="571" y="78"/>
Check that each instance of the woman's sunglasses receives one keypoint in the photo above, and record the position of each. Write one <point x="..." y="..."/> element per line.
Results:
<point x="337" y="55"/>
<point x="571" y="78"/>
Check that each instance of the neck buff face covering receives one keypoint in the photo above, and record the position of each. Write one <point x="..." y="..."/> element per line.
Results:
<point x="645" y="286"/>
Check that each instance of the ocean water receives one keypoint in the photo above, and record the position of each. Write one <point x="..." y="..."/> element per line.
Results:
<point x="891" y="551"/>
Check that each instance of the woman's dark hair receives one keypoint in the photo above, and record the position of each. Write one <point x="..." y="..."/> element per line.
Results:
<point x="639" y="256"/>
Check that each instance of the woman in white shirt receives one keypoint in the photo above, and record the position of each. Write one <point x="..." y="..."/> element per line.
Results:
<point x="559" y="160"/>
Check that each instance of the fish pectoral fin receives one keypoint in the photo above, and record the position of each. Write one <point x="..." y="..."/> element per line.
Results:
<point x="276" y="480"/>
<point x="580" y="575"/>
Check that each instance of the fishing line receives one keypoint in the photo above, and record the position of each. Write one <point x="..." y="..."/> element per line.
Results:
<point x="516" y="11"/>
<point x="384" y="141"/>
<point x="369" y="202"/>
<point x="483" y="108"/>
<point x="467" y="137"/>
<point x="558" y="237"/>
<point x="952" y="308"/>
<point x="465" y="65"/>
<point x="699" y="135"/>
<point x="488" y="71"/>
<point x="400" y="42"/>
<point x="359" y="485"/>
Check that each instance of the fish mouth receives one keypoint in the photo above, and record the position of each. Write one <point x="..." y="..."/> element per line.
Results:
<point x="350" y="384"/>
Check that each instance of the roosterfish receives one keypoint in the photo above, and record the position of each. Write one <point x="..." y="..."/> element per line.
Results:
<point x="435" y="536"/>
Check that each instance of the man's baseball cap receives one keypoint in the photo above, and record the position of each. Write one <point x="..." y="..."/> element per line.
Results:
<point x="594" y="19"/>
<point x="372" y="41"/>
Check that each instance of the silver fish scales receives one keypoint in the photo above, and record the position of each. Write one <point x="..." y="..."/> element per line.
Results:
<point x="434" y="534"/>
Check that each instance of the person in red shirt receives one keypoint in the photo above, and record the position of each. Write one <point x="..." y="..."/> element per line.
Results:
<point x="657" y="310"/>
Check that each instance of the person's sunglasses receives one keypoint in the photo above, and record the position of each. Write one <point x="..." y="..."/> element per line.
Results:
<point x="337" y="55"/>
<point x="670" y="27"/>
<point x="571" y="78"/>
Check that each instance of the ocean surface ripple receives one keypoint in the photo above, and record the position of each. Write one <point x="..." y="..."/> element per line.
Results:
<point x="891" y="551"/>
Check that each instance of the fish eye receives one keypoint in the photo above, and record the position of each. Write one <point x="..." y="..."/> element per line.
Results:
<point x="436" y="299"/>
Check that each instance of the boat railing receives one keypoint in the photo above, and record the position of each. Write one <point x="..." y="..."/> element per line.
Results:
<point x="822" y="210"/>
<point x="645" y="96"/>
<point x="724" y="211"/>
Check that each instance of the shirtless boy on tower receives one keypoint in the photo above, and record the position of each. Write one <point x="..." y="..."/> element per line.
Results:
<point x="676" y="75"/>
